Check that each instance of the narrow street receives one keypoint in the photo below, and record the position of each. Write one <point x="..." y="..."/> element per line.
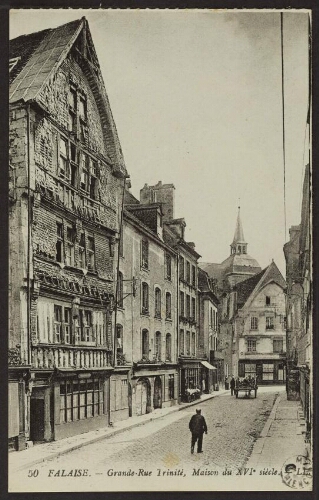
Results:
<point x="164" y="444"/>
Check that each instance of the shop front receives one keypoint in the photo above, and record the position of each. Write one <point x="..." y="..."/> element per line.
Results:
<point x="269" y="371"/>
<point x="190" y="377"/>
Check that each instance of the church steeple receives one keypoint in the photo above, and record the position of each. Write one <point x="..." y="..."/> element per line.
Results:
<point x="238" y="245"/>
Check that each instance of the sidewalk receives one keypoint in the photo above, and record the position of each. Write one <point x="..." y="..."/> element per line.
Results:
<point x="19" y="460"/>
<point x="282" y="438"/>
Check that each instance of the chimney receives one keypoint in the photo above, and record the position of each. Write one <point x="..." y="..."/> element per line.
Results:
<point x="160" y="193"/>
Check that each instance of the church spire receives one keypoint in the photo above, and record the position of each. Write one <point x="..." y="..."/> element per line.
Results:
<point x="238" y="245"/>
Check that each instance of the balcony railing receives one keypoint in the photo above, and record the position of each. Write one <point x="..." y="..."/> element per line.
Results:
<point x="50" y="356"/>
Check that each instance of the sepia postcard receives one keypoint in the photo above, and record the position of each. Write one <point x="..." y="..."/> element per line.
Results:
<point x="160" y="250"/>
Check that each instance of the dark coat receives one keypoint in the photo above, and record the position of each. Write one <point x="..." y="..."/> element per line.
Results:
<point x="197" y="424"/>
<point x="232" y="383"/>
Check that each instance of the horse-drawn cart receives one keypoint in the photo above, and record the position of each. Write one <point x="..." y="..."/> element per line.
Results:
<point x="247" y="386"/>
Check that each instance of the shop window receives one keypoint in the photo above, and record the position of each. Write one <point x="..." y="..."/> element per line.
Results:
<point x="268" y="371"/>
<point x="182" y="303"/>
<point x="251" y="345"/>
<point x="145" y="344"/>
<point x="145" y="298"/>
<point x="120" y="291"/>
<point x="168" y="266"/>
<point x="168" y="347"/>
<point x="81" y="399"/>
<point x="181" y="268"/>
<point x="181" y="342"/>
<point x="119" y="338"/>
<point x="171" y="386"/>
<point x="158" y="346"/>
<point x="144" y="254"/>
<point x="278" y="345"/>
<point x="59" y="242"/>
<point x="254" y="323"/>
<point x="168" y="305"/>
<point x="250" y="370"/>
<point x="270" y="323"/>
<point x="157" y="303"/>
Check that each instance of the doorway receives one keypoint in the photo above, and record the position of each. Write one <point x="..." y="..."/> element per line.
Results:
<point x="157" y="392"/>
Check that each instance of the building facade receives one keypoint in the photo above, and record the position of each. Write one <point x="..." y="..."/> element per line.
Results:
<point x="298" y="255"/>
<point x="209" y="334"/>
<point x="67" y="172"/>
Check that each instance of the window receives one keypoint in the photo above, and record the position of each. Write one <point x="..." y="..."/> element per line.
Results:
<point x="74" y="166"/>
<point x="188" y="272"/>
<point x="193" y="308"/>
<point x="188" y="343"/>
<point x="119" y="338"/>
<point x="120" y="291"/>
<point x="84" y="183"/>
<point x="193" y="344"/>
<point x="182" y="303"/>
<point x="171" y="386"/>
<point x="267" y="300"/>
<point x="57" y="324"/>
<point x="168" y="347"/>
<point x="188" y="306"/>
<point x="64" y="169"/>
<point x="181" y="342"/>
<point x="91" y="253"/>
<point x="157" y="303"/>
<point x="86" y="326"/>
<point x="194" y="276"/>
<point x="158" y="346"/>
<point x="145" y="344"/>
<point x="168" y="305"/>
<point x="278" y="345"/>
<point x="211" y="318"/>
<point x="80" y="399"/>
<point x="72" y="98"/>
<point x="145" y="299"/>
<point x="82" y="108"/>
<point x="82" y="259"/>
<point x="69" y="251"/>
<point x="62" y="324"/>
<point x="251" y="345"/>
<point x="144" y="254"/>
<point x="181" y="268"/>
<point x="268" y="371"/>
<point x="168" y="261"/>
<point x="269" y="323"/>
<point x="59" y="243"/>
<point x="250" y="370"/>
<point x="254" y="323"/>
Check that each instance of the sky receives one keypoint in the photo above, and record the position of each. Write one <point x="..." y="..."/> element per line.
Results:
<point x="196" y="96"/>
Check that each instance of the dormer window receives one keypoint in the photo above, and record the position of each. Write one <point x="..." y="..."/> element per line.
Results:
<point x="267" y="300"/>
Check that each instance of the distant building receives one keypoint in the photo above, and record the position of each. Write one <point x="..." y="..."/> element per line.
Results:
<point x="67" y="173"/>
<point x="238" y="266"/>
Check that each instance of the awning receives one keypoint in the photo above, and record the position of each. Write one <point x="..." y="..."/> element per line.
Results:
<point x="208" y="365"/>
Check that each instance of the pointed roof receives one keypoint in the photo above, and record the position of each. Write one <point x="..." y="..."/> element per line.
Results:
<point x="39" y="55"/>
<point x="245" y="288"/>
<point x="239" y="233"/>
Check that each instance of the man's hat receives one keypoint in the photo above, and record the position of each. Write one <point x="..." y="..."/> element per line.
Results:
<point x="198" y="410"/>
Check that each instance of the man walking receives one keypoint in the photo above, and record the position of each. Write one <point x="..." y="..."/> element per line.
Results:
<point x="197" y="426"/>
<point x="232" y="386"/>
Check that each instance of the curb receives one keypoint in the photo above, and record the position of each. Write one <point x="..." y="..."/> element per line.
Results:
<point x="112" y="433"/>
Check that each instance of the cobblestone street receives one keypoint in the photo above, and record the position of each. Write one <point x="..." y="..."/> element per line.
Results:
<point x="164" y="444"/>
